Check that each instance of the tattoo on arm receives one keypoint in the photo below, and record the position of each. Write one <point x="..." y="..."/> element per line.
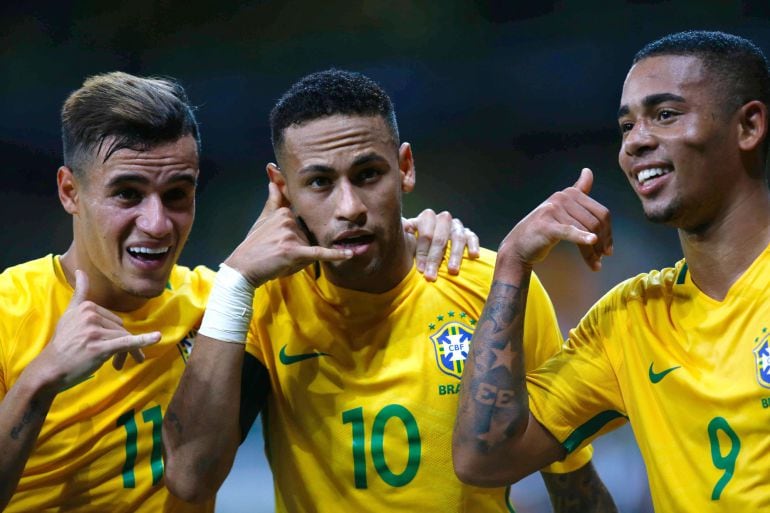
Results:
<point x="581" y="491"/>
<point x="496" y="386"/>
<point x="26" y="419"/>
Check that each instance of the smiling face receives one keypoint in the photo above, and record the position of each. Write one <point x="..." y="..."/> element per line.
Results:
<point x="679" y="146"/>
<point x="132" y="215"/>
<point x="344" y="177"/>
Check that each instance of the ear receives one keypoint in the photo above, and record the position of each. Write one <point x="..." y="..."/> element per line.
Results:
<point x="275" y="175"/>
<point x="406" y="166"/>
<point x="68" y="189"/>
<point x="752" y="125"/>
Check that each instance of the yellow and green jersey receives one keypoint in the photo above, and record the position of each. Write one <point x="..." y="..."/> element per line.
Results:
<point x="100" y="446"/>
<point x="691" y="375"/>
<point x="364" y="389"/>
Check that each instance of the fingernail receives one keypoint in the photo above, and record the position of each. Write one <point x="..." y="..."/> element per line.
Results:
<point x="420" y="266"/>
<point x="431" y="270"/>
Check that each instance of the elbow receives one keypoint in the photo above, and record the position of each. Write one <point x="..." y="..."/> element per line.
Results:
<point x="185" y="485"/>
<point x="482" y="470"/>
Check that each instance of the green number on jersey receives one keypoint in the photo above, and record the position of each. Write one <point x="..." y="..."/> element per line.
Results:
<point x="726" y="462"/>
<point x="356" y="418"/>
<point x="128" y="421"/>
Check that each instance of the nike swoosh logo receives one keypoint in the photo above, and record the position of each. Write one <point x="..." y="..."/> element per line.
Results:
<point x="288" y="359"/>
<point x="656" y="377"/>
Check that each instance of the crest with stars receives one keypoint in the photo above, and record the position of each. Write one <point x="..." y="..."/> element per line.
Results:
<point x="762" y="358"/>
<point x="451" y="340"/>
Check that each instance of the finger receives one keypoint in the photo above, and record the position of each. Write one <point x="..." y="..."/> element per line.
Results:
<point x="438" y="243"/>
<point x="474" y="250"/>
<point x="137" y="354"/>
<point x="118" y="360"/>
<point x="459" y="242"/>
<point x="275" y="200"/>
<point x="426" y="224"/>
<point x="586" y="180"/>
<point x="81" y="288"/>
<point x="130" y="342"/>
<point x="318" y="253"/>
<point x="409" y="225"/>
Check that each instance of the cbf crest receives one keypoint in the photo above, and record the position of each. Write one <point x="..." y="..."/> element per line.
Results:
<point x="452" y="342"/>
<point x="762" y="358"/>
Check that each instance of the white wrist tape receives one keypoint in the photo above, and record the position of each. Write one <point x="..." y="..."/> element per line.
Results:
<point x="229" y="310"/>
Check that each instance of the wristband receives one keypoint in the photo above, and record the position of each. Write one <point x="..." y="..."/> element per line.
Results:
<point x="229" y="310"/>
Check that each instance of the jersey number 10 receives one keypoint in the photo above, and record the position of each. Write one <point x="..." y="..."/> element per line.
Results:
<point x="377" y="450"/>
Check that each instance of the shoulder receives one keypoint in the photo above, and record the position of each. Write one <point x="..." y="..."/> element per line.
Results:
<point x="22" y="283"/>
<point x="197" y="281"/>
<point x="475" y="274"/>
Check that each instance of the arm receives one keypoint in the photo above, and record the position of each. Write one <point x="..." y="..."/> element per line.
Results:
<point x="496" y="440"/>
<point x="434" y="232"/>
<point x="580" y="491"/>
<point x="86" y="336"/>
<point x="202" y="428"/>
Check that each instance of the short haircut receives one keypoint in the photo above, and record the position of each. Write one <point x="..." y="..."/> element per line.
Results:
<point x="738" y="66"/>
<point x="327" y="93"/>
<point x="123" y="111"/>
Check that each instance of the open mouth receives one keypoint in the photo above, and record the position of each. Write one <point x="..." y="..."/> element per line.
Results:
<point x="359" y="244"/>
<point x="149" y="254"/>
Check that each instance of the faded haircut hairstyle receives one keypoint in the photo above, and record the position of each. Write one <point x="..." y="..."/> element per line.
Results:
<point x="327" y="93"/>
<point x="123" y="111"/>
<point x="737" y="65"/>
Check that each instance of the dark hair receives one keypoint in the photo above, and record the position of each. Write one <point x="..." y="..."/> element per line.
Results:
<point x="737" y="64"/>
<point x="327" y="93"/>
<point x="127" y="112"/>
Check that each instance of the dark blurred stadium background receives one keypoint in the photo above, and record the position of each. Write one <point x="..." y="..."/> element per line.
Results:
<point x="502" y="101"/>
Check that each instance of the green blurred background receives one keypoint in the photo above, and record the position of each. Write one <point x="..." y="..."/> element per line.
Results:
<point x="502" y="101"/>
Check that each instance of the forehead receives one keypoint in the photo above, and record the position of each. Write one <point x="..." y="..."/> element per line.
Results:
<point x="160" y="162"/>
<point x="682" y="75"/>
<point x="336" y="141"/>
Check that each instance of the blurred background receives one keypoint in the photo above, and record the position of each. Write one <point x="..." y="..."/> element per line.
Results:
<point x="504" y="102"/>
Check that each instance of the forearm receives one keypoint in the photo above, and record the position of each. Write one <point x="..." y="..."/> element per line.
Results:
<point x="581" y="491"/>
<point x="496" y="441"/>
<point x="22" y="413"/>
<point x="201" y="430"/>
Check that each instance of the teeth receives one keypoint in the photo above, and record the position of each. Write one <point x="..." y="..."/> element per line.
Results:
<point x="646" y="174"/>
<point x="150" y="251"/>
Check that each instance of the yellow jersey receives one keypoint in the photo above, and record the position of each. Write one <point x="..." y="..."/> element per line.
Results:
<point x="691" y="375"/>
<point x="364" y="389"/>
<point x="99" y="449"/>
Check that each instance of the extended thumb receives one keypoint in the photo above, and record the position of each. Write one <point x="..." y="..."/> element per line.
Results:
<point x="81" y="287"/>
<point x="586" y="181"/>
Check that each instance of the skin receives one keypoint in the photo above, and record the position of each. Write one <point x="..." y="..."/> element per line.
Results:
<point x="344" y="177"/>
<point x="133" y="198"/>
<point x="715" y="195"/>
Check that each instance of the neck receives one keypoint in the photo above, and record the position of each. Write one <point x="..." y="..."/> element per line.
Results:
<point x="721" y="251"/>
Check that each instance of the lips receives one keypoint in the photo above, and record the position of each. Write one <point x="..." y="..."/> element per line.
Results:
<point x="148" y="257"/>
<point x="358" y="242"/>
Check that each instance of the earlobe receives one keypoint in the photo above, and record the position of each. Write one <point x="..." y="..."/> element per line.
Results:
<point x="68" y="189"/>
<point x="406" y="167"/>
<point x="752" y="130"/>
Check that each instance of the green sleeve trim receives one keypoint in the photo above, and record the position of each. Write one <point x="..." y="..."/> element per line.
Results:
<point x="590" y="428"/>
<point x="682" y="275"/>
<point x="508" y="499"/>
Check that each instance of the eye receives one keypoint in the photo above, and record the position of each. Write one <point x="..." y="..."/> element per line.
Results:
<point x="128" y="195"/>
<point x="178" y="196"/>
<point x="626" y="127"/>
<point x="368" y="175"/>
<point x="318" y="182"/>
<point x="666" y="114"/>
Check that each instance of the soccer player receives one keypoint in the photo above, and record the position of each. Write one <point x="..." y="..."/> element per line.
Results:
<point x="76" y="435"/>
<point x="681" y="353"/>
<point x="363" y="358"/>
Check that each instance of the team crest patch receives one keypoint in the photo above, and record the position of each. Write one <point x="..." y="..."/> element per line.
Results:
<point x="762" y="358"/>
<point x="452" y="342"/>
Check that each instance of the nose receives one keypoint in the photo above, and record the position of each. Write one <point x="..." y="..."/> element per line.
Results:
<point x="638" y="140"/>
<point x="153" y="218"/>
<point x="349" y="204"/>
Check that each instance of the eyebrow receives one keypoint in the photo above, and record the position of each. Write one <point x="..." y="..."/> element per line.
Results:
<point x="651" y="101"/>
<point x="362" y="160"/>
<point x="137" y="179"/>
